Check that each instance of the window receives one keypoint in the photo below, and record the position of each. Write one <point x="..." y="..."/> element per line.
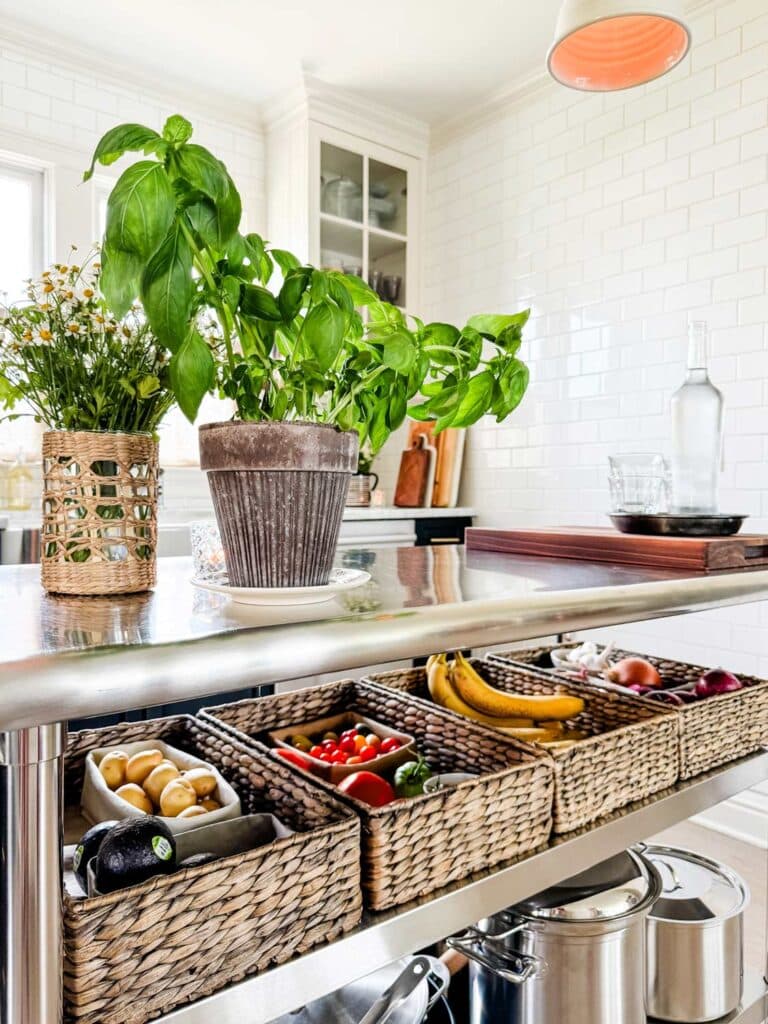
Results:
<point x="22" y="236"/>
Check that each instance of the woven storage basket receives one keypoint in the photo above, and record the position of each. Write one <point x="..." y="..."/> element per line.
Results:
<point x="712" y="731"/>
<point x="140" y="952"/>
<point x="631" y="752"/>
<point x="414" y="846"/>
<point x="99" y="532"/>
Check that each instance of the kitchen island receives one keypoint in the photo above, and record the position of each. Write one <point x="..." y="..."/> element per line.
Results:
<point x="66" y="658"/>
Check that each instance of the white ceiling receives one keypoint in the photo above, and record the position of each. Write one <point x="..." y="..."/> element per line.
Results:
<point x="429" y="58"/>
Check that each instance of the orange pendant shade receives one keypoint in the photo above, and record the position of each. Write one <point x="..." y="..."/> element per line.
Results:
<point x="606" y="45"/>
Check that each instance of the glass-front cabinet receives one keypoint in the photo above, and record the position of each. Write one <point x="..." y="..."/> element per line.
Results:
<point x="364" y="213"/>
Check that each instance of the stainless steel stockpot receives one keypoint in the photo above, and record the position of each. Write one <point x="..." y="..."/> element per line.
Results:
<point x="574" y="953"/>
<point x="695" y="937"/>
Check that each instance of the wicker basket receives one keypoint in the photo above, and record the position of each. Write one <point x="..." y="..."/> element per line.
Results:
<point x="99" y="533"/>
<point x="137" y="953"/>
<point x="413" y="847"/>
<point x="712" y="731"/>
<point x="631" y="751"/>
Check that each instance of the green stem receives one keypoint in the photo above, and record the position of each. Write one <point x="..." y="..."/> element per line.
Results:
<point x="222" y="311"/>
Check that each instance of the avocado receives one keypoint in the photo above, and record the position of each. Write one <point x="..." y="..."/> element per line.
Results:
<point x="197" y="859"/>
<point x="134" y="851"/>
<point x="87" y="848"/>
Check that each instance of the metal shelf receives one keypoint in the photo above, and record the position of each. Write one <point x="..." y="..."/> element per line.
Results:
<point x="385" y="937"/>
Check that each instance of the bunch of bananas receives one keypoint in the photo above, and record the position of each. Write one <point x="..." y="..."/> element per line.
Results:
<point x="456" y="685"/>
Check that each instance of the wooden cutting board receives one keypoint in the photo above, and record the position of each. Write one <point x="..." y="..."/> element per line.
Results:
<point x="703" y="554"/>
<point x="416" y="476"/>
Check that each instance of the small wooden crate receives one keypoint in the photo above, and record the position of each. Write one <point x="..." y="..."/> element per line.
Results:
<point x="631" y="751"/>
<point x="413" y="847"/>
<point x="143" y="951"/>
<point x="712" y="731"/>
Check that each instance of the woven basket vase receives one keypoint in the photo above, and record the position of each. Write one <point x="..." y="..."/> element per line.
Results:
<point x="99" y="533"/>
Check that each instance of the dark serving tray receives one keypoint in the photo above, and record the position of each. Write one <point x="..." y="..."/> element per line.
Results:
<point x="676" y="524"/>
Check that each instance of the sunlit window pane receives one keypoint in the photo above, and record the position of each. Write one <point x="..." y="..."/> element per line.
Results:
<point x="21" y="245"/>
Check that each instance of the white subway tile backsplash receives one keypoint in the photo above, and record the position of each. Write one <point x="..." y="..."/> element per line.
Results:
<point x="667" y="218"/>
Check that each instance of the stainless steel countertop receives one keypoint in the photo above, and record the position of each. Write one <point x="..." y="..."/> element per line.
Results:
<point x="179" y="643"/>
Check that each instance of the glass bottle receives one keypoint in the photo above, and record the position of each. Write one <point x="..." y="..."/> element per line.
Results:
<point x="697" y="431"/>
<point x="19" y="484"/>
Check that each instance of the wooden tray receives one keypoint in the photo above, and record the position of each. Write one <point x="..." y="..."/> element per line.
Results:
<point x="594" y="544"/>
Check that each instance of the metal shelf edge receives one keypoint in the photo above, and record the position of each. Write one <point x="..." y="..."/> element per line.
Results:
<point x="385" y="937"/>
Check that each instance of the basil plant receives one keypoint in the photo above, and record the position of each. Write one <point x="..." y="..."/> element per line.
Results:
<point x="317" y="345"/>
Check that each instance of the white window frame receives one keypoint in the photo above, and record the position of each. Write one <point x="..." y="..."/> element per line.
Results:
<point x="44" y="221"/>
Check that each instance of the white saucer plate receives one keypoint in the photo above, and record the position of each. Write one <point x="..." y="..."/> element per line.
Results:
<point x="339" y="581"/>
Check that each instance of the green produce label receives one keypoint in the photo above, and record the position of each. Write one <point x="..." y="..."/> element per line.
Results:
<point x="77" y="857"/>
<point x="162" y="848"/>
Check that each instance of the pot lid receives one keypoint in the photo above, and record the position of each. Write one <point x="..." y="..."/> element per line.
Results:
<point x="621" y="885"/>
<point x="695" y="888"/>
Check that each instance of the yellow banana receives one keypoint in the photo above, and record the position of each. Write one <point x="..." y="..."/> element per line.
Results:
<point x="442" y="692"/>
<point x="474" y="691"/>
<point x="532" y="735"/>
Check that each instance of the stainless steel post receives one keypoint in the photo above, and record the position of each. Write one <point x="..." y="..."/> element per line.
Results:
<point x="30" y="875"/>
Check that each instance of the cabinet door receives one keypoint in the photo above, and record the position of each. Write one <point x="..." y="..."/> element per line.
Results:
<point x="365" y="208"/>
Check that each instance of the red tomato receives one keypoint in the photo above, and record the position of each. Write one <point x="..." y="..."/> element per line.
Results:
<point x="330" y="745"/>
<point x="326" y="758"/>
<point x="368" y="753"/>
<point x="295" y="758"/>
<point x="347" y="745"/>
<point x="389" y="744"/>
<point x="339" y="757"/>
<point x="348" y="734"/>
<point x="316" y="751"/>
<point x="355" y="759"/>
<point x="369" y="788"/>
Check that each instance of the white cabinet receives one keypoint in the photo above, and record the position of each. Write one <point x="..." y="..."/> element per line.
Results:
<point x="345" y="186"/>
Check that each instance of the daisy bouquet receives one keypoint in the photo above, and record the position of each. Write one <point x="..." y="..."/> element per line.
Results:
<point x="74" y="365"/>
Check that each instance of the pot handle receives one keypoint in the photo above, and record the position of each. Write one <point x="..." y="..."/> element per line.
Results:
<point x="375" y="478"/>
<point x="513" y="967"/>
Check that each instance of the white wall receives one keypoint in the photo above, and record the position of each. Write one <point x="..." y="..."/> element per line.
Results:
<point x="615" y="218"/>
<point x="53" y="109"/>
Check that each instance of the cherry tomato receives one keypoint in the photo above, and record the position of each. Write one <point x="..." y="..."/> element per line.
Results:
<point x="355" y="759"/>
<point x="349" y="734"/>
<point x="359" y="742"/>
<point x="294" y="757"/>
<point x="316" y="751"/>
<point x="373" y="740"/>
<point x="369" y="788"/>
<point x="347" y="745"/>
<point x="326" y="758"/>
<point x="330" y="745"/>
<point x="339" y="757"/>
<point x="389" y="744"/>
<point x="367" y="753"/>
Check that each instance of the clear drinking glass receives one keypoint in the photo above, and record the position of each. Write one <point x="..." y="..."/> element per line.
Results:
<point x="639" y="482"/>
<point x="207" y="551"/>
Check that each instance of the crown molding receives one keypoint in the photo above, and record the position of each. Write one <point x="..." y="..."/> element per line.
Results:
<point x="516" y="94"/>
<point x="331" y="105"/>
<point x="122" y="74"/>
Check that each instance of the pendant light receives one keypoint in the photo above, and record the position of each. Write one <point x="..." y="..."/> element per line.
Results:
<point x="607" y="45"/>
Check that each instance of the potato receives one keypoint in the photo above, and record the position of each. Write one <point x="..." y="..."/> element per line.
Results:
<point x="203" y="780"/>
<point x="177" y="796"/>
<point x="192" y="812"/>
<point x="133" y="794"/>
<point x="140" y="765"/>
<point x="112" y="768"/>
<point x="210" y="804"/>
<point x="158" y="779"/>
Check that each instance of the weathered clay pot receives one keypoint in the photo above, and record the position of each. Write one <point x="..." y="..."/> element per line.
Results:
<point x="278" y="491"/>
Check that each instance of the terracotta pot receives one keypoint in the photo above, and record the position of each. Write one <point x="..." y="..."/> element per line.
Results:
<point x="278" y="491"/>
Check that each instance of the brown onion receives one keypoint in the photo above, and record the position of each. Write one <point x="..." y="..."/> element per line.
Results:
<point x="634" y="671"/>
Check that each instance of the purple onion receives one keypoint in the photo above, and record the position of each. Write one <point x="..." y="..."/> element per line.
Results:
<point x="716" y="681"/>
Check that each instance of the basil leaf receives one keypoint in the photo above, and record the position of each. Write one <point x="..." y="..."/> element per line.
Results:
<point x="216" y="223"/>
<point x="492" y="324"/>
<point x="399" y="352"/>
<point x="192" y="373"/>
<point x="203" y="171"/>
<point x="167" y="289"/>
<point x="124" y="138"/>
<point x="260" y="302"/>
<point x="512" y="385"/>
<point x="285" y="260"/>
<point x="140" y="209"/>
<point x="475" y="402"/>
<point x="119" y="279"/>
<point x="324" y="332"/>
<point x="292" y="293"/>
<point x="357" y="289"/>
<point x="177" y="130"/>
